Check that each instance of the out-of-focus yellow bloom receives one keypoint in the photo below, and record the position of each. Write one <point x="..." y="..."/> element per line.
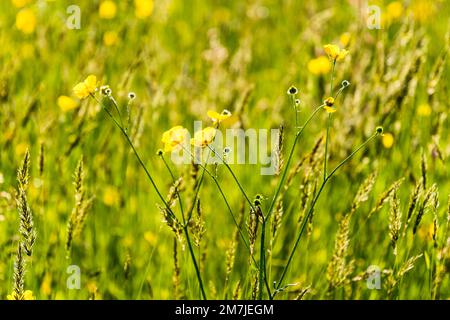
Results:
<point x="26" y="21"/>
<point x="204" y="137"/>
<point x="144" y="8"/>
<point x="345" y="38"/>
<point x="150" y="237"/>
<point x="424" y="110"/>
<point x="320" y="65"/>
<point x="66" y="103"/>
<point x="334" y="52"/>
<point x="329" y="103"/>
<point x="388" y="140"/>
<point x="111" y="196"/>
<point x="46" y="286"/>
<point x="394" y="10"/>
<point x="107" y="9"/>
<point x="174" y="138"/>
<point x="20" y="3"/>
<point x="21" y="148"/>
<point x="110" y="38"/>
<point x="218" y="117"/>
<point x="27" y="295"/>
<point x="422" y="10"/>
<point x="27" y="50"/>
<point x="85" y="88"/>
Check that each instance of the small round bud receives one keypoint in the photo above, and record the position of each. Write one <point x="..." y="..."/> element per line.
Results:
<point x="297" y="102"/>
<point x="292" y="91"/>
<point x="380" y="130"/>
<point x="159" y="152"/>
<point x="131" y="95"/>
<point x="226" y="112"/>
<point x="105" y="90"/>
<point x="226" y="150"/>
<point x="345" y="83"/>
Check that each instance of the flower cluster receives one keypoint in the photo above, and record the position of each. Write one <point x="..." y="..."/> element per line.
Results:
<point x="174" y="138"/>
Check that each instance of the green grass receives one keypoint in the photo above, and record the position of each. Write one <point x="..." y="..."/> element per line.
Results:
<point x="166" y="60"/>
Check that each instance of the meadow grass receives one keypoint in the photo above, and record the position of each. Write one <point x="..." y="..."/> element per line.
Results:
<point x="361" y="177"/>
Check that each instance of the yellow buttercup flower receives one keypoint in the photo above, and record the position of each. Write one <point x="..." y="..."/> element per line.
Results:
<point x="320" y="65"/>
<point x="218" y="117"/>
<point x="334" y="52"/>
<point x="107" y="9"/>
<point x="26" y="21"/>
<point x="111" y="196"/>
<point x="27" y="295"/>
<point x="388" y="140"/>
<point x="174" y="138"/>
<point x="394" y="10"/>
<point x="329" y="103"/>
<point x="424" y="110"/>
<point x="20" y="3"/>
<point x="344" y="39"/>
<point x="66" y="103"/>
<point x="423" y="10"/>
<point x="110" y="38"/>
<point x="204" y="137"/>
<point x="85" y="88"/>
<point x="144" y="8"/>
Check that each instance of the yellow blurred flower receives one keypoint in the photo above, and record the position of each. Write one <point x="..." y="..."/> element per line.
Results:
<point x="144" y="8"/>
<point x="204" y="137"/>
<point x="394" y="10"/>
<point x="66" y="103"/>
<point x="218" y="117"/>
<point x="329" y="103"/>
<point x="20" y="3"/>
<point x="107" y="9"/>
<point x="21" y="148"/>
<point x="423" y="9"/>
<point x="110" y="38"/>
<point x="27" y="295"/>
<point x="424" y="110"/>
<point x="150" y="237"/>
<point x="111" y="196"/>
<point x="26" y="21"/>
<point x="388" y="140"/>
<point x="174" y="138"/>
<point x="27" y="50"/>
<point x="334" y="52"/>
<point x="46" y="286"/>
<point x="320" y="65"/>
<point x="85" y="88"/>
<point x="345" y="38"/>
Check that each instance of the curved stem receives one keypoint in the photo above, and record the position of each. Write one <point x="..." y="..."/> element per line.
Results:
<point x="158" y="192"/>
<point x="234" y="177"/>
<point x="311" y="209"/>
<point x="173" y="181"/>
<point x="288" y="163"/>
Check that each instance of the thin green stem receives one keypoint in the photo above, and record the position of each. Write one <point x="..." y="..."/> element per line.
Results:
<point x="158" y="192"/>
<point x="295" y="110"/>
<point x="226" y="202"/>
<point x="311" y="209"/>
<point x="234" y="177"/>
<point x="325" y="160"/>
<point x="173" y="181"/>
<point x="262" y="263"/>
<point x="288" y="163"/>
<point x="118" y="111"/>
